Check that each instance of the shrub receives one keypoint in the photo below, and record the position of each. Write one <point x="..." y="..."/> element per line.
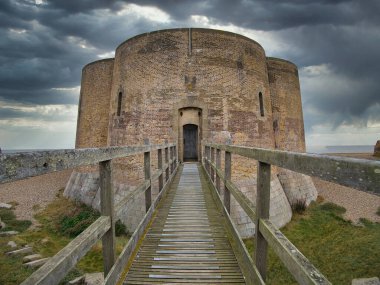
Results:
<point x="299" y="206"/>
<point x="120" y="229"/>
<point x="75" y="222"/>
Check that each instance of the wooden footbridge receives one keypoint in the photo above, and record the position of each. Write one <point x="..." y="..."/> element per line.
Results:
<point x="187" y="235"/>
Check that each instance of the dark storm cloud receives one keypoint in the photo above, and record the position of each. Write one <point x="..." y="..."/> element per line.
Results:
<point x="41" y="45"/>
<point x="343" y="34"/>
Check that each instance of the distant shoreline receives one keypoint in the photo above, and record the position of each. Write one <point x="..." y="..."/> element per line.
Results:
<point x="330" y="149"/>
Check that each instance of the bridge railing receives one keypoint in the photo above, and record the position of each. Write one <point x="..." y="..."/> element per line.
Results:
<point x="360" y="174"/>
<point x="22" y="165"/>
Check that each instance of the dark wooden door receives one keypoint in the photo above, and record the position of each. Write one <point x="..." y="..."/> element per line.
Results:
<point x="190" y="141"/>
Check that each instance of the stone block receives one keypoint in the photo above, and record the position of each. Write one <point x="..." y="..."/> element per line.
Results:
<point x="8" y="233"/>
<point x="366" y="281"/>
<point x="36" y="263"/>
<point x="31" y="257"/>
<point x="24" y="250"/>
<point x="12" y="244"/>
<point x="5" y="205"/>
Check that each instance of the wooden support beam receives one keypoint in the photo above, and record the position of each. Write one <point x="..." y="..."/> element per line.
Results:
<point x="107" y="209"/>
<point x="227" y="176"/>
<point x="148" y="192"/>
<point x="160" y="167"/>
<point x="218" y="166"/>
<point x="212" y="158"/>
<point x="166" y="163"/>
<point x="262" y="212"/>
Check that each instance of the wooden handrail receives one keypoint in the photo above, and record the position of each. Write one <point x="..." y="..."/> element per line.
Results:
<point x="16" y="166"/>
<point x="21" y="165"/>
<point x="361" y="174"/>
<point x="61" y="263"/>
<point x="297" y="264"/>
<point x="336" y="168"/>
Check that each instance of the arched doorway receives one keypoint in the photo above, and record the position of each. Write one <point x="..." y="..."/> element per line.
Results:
<point x="189" y="134"/>
<point x="190" y="142"/>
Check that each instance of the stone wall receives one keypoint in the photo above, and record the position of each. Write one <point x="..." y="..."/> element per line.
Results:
<point x="137" y="98"/>
<point x="93" y="109"/>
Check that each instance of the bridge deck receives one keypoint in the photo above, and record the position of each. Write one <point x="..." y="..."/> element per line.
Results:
<point x="187" y="242"/>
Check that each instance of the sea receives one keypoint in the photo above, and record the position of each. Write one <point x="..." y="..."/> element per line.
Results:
<point x="340" y="149"/>
<point x="311" y="149"/>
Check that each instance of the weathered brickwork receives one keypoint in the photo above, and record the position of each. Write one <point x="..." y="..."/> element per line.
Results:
<point x="219" y="81"/>
<point x="92" y="127"/>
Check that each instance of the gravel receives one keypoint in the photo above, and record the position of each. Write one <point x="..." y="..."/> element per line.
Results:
<point x="357" y="203"/>
<point x="33" y="194"/>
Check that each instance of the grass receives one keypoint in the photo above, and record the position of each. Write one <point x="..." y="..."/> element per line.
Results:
<point x="60" y="222"/>
<point x="339" y="249"/>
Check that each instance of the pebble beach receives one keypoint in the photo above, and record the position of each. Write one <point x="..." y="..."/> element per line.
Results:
<point x="33" y="194"/>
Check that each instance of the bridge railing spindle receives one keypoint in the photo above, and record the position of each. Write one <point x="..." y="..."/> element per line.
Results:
<point x="218" y="166"/>
<point x="166" y="163"/>
<point x="212" y="151"/>
<point x="262" y="212"/>
<point x="160" y="167"/>
<point x="147" y="174"/>
<point x="107" y="209"/>
<point x="227" y="176"/>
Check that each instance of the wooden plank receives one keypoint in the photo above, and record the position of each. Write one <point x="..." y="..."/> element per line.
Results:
<point x="227" y="176"/>
<point x="361" y="174"/>
<point x="61" y="263"/>
<point x="251" y="274"/>
<point x="148" y="192"/>
<point x="262" y="212"/>
<point x="186" y="256"/>
<point x="107" y="209"/>
<point x="21" y="165"/>
<point x="117" y="270"/>
<point x="297" y="264"/>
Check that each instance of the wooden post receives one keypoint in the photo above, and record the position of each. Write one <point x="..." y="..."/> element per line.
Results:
<point x="212" y="171"/>
<point x="262" y="212"/>
<point x="161" y="177"/>
<point x="175" y="156"/>
<point x="107" y="209"/>
<point x="218" y="165"/>
<point x="171" y="159"/>
<point x="227" y="175"/>
<point x="167" y="163"/>
<point x="148" y="192"/>
<point x="207" y="154"/>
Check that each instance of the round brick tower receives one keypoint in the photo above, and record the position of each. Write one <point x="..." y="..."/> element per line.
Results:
<point x="186" y="86"/>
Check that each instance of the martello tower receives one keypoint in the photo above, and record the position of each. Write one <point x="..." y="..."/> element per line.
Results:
<point x="189" y="85"/>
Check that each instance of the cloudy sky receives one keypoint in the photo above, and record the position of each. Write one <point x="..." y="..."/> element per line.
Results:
<point x="45" y="43"/>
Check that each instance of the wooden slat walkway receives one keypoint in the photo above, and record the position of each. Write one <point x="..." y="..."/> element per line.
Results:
<point x="187" y="242"/>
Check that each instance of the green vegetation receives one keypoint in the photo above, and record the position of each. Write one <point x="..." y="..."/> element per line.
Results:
<point x="60" y="222"/>
<point x="339" y="249"/>
<point x="9" y="218"/>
